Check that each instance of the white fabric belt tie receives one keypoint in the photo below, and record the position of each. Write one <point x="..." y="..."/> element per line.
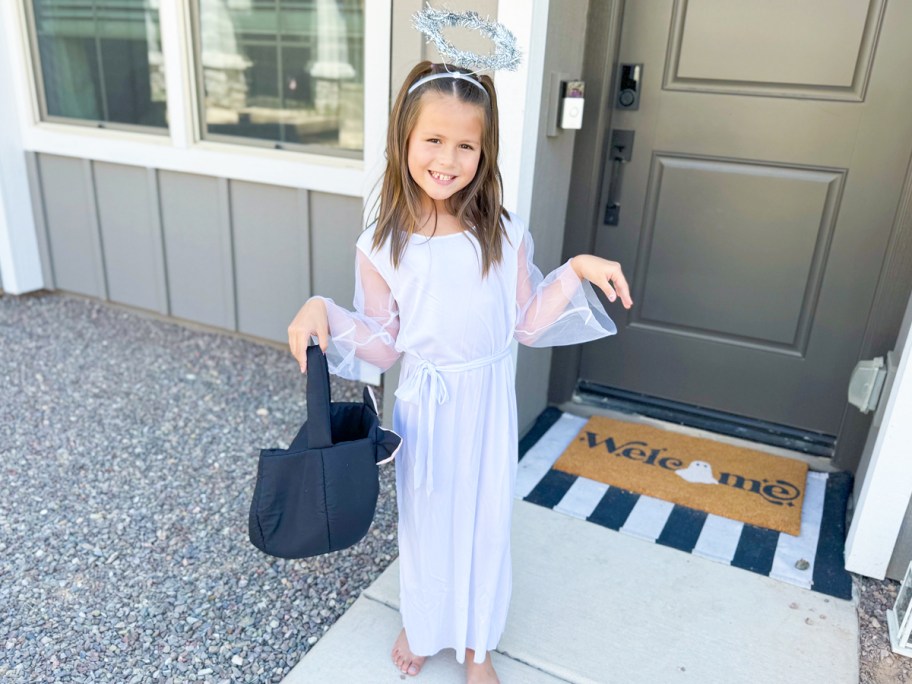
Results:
<point x="425" y="388"/>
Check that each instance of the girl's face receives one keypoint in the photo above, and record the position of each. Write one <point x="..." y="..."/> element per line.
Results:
<point x="444" y="148"/>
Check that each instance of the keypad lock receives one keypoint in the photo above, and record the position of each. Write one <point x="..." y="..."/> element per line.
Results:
<point x="630" y="77"/>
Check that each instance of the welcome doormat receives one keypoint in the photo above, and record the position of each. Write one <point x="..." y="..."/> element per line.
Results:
<point x="743" y="484"/>
<point x="812" y="560"/>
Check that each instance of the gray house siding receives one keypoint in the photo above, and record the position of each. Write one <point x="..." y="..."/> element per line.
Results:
<point x="339" y="222"/>
<point x="128" y="221"/>
<point x="73" y="241"/>
<point x="272" y="256"/>
<point x="197" y="239"/>
<point x="230" y="254"/>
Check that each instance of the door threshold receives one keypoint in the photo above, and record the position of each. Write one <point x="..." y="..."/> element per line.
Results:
<point x="754" y="432"/>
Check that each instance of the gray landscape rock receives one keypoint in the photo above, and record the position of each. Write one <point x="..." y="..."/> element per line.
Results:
<point x="128" y="448"/>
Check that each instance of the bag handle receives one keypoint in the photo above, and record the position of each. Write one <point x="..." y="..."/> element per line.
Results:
<point x="319" y="427"/>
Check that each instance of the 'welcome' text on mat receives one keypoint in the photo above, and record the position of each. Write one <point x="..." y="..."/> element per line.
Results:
<point x="734" y="482"/>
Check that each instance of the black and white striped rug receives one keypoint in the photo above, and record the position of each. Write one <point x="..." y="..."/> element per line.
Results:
<point x="813" y="560"/>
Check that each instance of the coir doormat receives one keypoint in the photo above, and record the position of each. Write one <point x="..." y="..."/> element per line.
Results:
<point x="734" y="482"/>
<point x="813" y="560"/>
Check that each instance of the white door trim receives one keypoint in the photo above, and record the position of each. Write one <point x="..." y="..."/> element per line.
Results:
<point x="887" y="486"/>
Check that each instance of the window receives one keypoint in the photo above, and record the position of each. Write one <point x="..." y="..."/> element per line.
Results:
<point x="100" y="62"/>
<point x="282" y="73"/>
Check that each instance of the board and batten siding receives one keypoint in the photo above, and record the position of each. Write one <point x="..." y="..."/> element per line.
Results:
<point x="230" y="254"/>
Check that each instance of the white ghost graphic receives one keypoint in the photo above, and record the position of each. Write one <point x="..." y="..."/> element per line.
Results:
<point x="699" y="472"/>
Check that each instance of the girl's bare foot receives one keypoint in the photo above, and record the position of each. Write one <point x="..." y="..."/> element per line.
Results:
<point x="405" y="660"/>
<point x="480" y="674"/>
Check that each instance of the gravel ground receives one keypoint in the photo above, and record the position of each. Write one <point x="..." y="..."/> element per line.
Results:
<point x="128" y="448"/>
<point x="879" y="665"/>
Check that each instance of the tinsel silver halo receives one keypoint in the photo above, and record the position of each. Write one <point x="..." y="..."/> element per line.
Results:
<point x="432" y="21"/>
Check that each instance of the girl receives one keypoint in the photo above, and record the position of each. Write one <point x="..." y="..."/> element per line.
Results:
<point x="444" y="279"/>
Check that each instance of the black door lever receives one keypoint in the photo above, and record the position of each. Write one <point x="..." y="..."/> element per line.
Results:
<point x="620" y="151"/>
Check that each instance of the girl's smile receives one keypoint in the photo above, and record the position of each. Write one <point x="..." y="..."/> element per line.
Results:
<point x="444" y="147"/>
<point x="441" y="178"/>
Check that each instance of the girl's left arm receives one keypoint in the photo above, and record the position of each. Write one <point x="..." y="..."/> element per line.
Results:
<point x="562" y="308"/>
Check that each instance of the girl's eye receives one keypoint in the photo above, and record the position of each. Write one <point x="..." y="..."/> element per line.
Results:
<point x="466" y="146"/>
<point x="433" y="139"/>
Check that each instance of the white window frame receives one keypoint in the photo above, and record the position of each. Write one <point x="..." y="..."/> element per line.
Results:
<point x="183" y="149"/>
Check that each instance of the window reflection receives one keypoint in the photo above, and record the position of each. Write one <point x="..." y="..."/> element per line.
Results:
<point x="101" y="60"/>
<point x="289" y="72"/>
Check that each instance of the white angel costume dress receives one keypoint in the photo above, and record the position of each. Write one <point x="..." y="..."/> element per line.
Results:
<point x="455" y="410"/>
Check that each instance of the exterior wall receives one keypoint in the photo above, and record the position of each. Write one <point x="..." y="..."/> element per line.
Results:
<point x="213" y="233"/>
<point x="231" y="254"/>
<point x="879" y="542"/>
<point x="546" y="197"/>
<point x="20" y="268"/>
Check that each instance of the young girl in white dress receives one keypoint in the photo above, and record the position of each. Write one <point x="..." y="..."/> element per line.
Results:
<point x="444" y="280"/>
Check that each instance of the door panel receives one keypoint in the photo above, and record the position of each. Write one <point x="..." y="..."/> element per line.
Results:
<point x="811" y="48"/>
<point x="686" y="287"/>
<point x="757" y="204"/>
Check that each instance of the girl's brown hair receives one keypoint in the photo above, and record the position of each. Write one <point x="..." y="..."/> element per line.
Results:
<point x="477" y="207"/>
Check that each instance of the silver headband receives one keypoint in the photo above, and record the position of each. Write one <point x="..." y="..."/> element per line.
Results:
<point x="446" y="74"/>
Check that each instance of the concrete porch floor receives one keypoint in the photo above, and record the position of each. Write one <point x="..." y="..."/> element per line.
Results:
<point x="592" y="605"/>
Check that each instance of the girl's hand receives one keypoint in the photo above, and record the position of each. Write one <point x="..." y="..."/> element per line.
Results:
<point x="310" y="320"/>
<point x="603" y="272"/>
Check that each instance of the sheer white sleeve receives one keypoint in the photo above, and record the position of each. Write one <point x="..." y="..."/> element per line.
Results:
<point x="367" y="334"/>
<point x="556" y="310"/>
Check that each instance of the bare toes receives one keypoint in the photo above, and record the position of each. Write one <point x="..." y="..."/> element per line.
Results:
<point x="406" y="661"/>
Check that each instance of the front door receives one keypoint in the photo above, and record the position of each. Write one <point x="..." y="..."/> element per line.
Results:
<point x="769" y="148"/>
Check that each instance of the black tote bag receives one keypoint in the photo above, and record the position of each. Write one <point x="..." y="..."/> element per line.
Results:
<point x="320" y="494"/>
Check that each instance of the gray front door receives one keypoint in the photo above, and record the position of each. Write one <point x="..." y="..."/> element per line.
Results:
<point x="769" y="150"/>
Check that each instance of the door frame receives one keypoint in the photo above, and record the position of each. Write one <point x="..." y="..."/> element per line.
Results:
<point x="602" y="42"/>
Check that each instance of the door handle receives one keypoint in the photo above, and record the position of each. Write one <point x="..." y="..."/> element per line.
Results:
<point x="620" y="150"/>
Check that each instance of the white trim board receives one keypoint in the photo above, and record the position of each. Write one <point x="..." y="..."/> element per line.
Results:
<point x="20" y="257"/>
<point x="379" y="16"/>
<point x="518" y="100"/>
<point x="887" y="485"/>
